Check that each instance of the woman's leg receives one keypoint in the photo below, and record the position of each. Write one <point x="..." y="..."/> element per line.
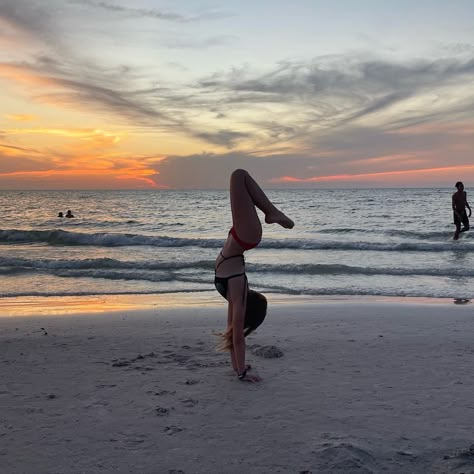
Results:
<point x="245" y="194"/>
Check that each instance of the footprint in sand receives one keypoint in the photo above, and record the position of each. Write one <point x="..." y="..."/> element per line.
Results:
<point x="179" y="358"/>
<point x="346" y="457"/>
<point x="133" y="441"/>
<point x="268" y="352"/>
<point x="161" y="411"/>
<point x="189" y="402"/>
<point x="121" y="363"/>
<point x="172" y="430"/>
<point x="191" y="382"/>
<point x="460" y="461"/>
<point x="162" y="392"/>
<point x="124" y="362"/>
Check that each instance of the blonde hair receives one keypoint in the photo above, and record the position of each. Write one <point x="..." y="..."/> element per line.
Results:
<point x="225" y="343"/>
<point x="255" y="313"/>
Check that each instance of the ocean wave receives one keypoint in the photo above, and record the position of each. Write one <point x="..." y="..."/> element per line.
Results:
<point x="110" y="268"/>
<point x="64" y="238"/>
<point x="339" y="269"/>
<point x="99" y="263"/>
<point x="101" y="239"/>
<point x="406" y="234"/>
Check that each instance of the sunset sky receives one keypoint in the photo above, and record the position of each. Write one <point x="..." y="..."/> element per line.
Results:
<point x="176" y="94"/>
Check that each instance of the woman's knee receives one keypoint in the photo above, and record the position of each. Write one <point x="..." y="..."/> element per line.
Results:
<point x="238" y="174"/>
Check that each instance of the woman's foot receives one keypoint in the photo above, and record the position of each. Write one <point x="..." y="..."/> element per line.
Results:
<point x="277" y="217"/>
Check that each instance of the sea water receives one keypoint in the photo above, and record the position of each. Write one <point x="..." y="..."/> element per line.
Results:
<point x="385" y="242"/>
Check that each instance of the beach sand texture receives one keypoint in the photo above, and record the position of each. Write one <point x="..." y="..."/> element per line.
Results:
<point x="361" y="386"/>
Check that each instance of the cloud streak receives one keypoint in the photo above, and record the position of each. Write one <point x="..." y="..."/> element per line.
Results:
<point x="147" y="12"/>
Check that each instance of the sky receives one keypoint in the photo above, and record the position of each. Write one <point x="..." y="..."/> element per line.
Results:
<point x="144" y="94"/>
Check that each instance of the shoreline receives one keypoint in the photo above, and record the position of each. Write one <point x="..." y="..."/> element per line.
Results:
<point x="12" y="306"/>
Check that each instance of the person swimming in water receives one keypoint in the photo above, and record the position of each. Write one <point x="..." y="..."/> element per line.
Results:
<point x="69" y="213"/>
<point x="246" y="308"/>
<point x="459" y="204"/>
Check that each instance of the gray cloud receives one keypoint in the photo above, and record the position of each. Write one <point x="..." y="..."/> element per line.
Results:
<point x="85" y="84"/>
<point x="226" y="138"/>
<point x="32" y="17"/>
<point x="147" y="12"/>
<point x="209" y="170"/>
<point x="135" y="12"/>
<point x="342" y="89"/>
<point x="355" y="150"/>
<point x="198" y="44"/>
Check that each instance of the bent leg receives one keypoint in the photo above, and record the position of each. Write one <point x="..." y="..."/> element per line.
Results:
<point x="245" y="194"/>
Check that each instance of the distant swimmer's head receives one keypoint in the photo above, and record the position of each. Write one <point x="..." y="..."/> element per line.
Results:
<point x="255" y="312"/>
<point x="60" y="214"/>
<point x="459" y="185"/>
<point x="69" y="213"/>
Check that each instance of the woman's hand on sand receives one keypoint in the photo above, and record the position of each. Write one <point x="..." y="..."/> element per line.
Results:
<point x="251" y="378"/>
<point x="248" y="377"/>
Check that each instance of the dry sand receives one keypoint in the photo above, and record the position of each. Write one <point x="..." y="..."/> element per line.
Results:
<point x="362" y="386"/>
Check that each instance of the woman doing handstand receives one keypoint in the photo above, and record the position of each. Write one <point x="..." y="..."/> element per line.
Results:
<point x="246" y="308"/>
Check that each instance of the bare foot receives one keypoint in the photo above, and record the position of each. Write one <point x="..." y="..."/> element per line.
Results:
<point x="278" y="217"/>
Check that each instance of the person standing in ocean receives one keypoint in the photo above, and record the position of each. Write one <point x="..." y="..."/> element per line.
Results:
<point x="246" y="308"/>
<point x="459" y="204"/>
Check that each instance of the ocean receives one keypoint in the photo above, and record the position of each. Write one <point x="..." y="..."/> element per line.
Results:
<point x="367" y="242"/>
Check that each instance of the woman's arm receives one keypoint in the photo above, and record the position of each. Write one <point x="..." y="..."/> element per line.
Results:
<point x="237" y="290"/>
<point x="229" y="325"/>
<point x="238" y="338"/>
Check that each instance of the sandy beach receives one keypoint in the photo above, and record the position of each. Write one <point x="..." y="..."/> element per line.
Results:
<point x="362" y="386"/>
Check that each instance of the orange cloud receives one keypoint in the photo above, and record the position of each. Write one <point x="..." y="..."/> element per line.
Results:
<point x="24" y="76"/>
<point x="454" y="128"/>
<point x="22" y="117"/>
<point x="346" y="177"/>
<point x="86" y="175"/>
<point x="16" y="151"/>
<point x="83" y="133"/>
<point x="84" y="141"/>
